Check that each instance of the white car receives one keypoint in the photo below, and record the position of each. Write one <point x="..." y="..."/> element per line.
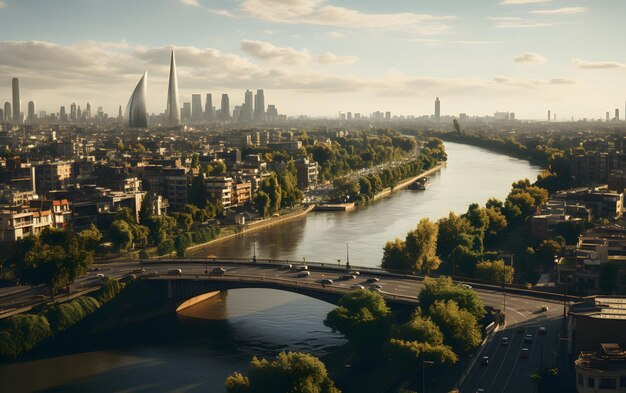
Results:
<point x="357" y="286"/>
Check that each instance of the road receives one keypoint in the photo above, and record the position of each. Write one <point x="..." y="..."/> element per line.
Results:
<point x="507" y="370"/>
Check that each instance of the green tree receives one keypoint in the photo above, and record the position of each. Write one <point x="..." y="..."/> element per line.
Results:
<point x="262" y="203"/>
<point x="147" y="208"/>
<point x="421" y="246"/>
<point x="121" y="234"/>
<point x="454" y="231"/>
<point x="20" y="333"/>
<point x="90" y="237"/>
<point x="495" y="271"/>
<point x="217" y="168"/>
<point x="395" y="256"/>
<point x="459" y="327"/>
<point x="409" y="355"/>
<point x="289" y="372"/>
<point x="361" y="316"/>
<point x="443" y="289"/>
<point x="548" y="249"/>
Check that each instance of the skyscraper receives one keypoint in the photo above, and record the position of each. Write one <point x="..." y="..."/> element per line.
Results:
<point x="88" y="111"/>
<point x="31" y="111"/>
<point x="225" y="108"/>
<point x="437" y="109"/>
<point x="616" y="114"/>
<point x="136" y="113"/>
<point x="185" y="114"/>
<point x="259" y="106"/>
<point x="1" y="115"/>
<point x="248" y="109"/>
<point x="549" y="118"/>
<point x="173" y="106"/>
<point x="7" y="111"/>
<point x="196" y="107"/>
<point x="73" y="112"/>
<point x="17" y="110"/>
<point x="208" y="108"/>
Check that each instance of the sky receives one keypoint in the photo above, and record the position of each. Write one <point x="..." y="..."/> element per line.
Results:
<point x="319" y="57"/>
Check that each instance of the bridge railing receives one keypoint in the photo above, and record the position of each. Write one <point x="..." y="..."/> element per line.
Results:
<point x="281" y="281"/>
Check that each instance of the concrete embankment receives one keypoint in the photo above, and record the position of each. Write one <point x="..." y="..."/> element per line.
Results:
<point x="195" y="300"/>
<point x="407" y="182"/>
<point x="255" y="226"/>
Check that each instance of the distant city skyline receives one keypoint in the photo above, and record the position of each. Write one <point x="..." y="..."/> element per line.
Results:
<point x="319" y="57"/>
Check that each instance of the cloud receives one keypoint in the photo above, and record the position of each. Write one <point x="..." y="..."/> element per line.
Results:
<point x="2" y="4"/>
<point x="561" y="11"/>
<point x="221" y="12"/>
<point x="271" y="53"/>
<point x="193" y="3"/>
<point x="532" y="83"/>
<point x="334" y="34"/>
<point x="507" y="22"/>
<point x="331" y="58"/>
<point x="514" y="2"/>
<point x="529" y="57"/>
<point x="316" y="12"/>
<point x="598" y="65"/>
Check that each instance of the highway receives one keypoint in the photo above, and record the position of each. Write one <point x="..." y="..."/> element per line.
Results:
<point x="507" y="369"/>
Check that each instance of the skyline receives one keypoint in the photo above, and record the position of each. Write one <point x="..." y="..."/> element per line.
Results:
<point x="524" y="58"/>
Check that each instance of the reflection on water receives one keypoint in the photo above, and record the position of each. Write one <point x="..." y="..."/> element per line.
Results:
<point x="196" y="350"/>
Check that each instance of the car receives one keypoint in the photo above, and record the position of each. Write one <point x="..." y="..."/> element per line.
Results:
<point x="153" y="273"/>
<point x="480" y="390"/>
<point x="504" y="341"/>
<point x="528" y="338"/>
<point x="373" y="279"/>
<point x="485" y="361"/>
<point x="218" y="271"/>
<point x="355" y="273"/>
<point x="466" y="286"/>
<point x="304" y="274"/>
<point x="175" y="272"/>
<point x="542" y="330"/>
<point x="544" y="308"/>
<point x="302" y="268"/>
<point x="347" y="277"/>
<point x="326" y="281"/>
<point x="377" y="286"/>
<point x="39" y="296"/>
<point x="286" y="267"/>
<point x="524" y="353"/>
<point x="136" y="271"/>
<point x="101" y="276"/>
<point x="357" y="286"/>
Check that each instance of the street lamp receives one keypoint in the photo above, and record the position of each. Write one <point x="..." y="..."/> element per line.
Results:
<point x="567" y="277"/>
<point x="254" y="251"/>
<point x="424" y="364"/>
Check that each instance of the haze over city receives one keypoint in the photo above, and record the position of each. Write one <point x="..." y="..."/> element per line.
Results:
<point x="320" y="57"/>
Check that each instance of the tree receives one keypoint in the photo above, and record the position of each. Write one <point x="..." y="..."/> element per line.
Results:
<point x="497" y="223"/>
<point x="459" y="327"/>
<point x="477" y="217"/>
<point x="548" y="249"/>
<point x="289" y="372"/>
<point x="418" y="328"/>
<point x="216" y="168"/>
<point x="409" y="355"/>
<point x="20" y="333"/>
<point x="90" y="237"/>
<point x="147" y="208"/>
<point x="395" y="256"/>
<point x="454" y="231"/>
<point x="362" y="316"/>
<point x="262" y="203"/>
<point x="421" y="246"/>
<point x="121" y="234"/>
<point x="496" y="271"/>
<point x="443" y="289"/>
<point x="570" y="230"/>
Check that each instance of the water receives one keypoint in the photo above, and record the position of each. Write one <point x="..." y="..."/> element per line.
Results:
<point x="195" y="351"/>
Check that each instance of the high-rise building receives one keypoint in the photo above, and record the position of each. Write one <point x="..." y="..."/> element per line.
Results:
<point x="387" y="115"/>
<point x="73" y="112"/>
<point x="7" y="111"/>
<point x="247" y="111"/>
<point x="88" y="111"/>
<point x="196" y="107"/>
<point x="17" y="107"/>
<point x="31" y="111"/>
<point x="1" y="115"/>
<point x="62" y="114"/>
<point x="136" y="112"/>
<point x="607" y="116"/>
<point x="549" y="115"/>
<point x="259" y="106"/>
<point x="185" y="114"/>
<point x="225" y="108"/>
<point x="208" y="108"/>
<point x="173" y="114"/>
<point x="616" y="114"/>
<point x="79" y="113"/>
<point x="437" y="109"/>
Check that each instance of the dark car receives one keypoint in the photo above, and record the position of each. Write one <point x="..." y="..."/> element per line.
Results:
<point x="218" y="271"/>
<point x="485" y="361"/>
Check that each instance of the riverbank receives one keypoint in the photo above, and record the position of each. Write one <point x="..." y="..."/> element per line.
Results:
<point x="407" y="182"/>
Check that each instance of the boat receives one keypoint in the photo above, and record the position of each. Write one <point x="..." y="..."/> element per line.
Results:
<point x="420" y="184"/>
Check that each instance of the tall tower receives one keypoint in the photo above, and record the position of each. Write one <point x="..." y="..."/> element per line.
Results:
<point x="73" y="112"/>
<point x="136" y="113"/>
<point x="248" y="106"/>
<point x="549" y="115"/>
<point x="173" y="106"/>
<point x="259" y="106"/>
<point x="437" y="109"/>
<point x="17" y="110"/>
<point x="616" y="114"/>
<point x="208" y="107"/>
<point x="7" y="111"/>
<point x="225" y="109"/>
<point x="31" y="111"/>
<point x="196" y="107"/>
<point x="88" y="111"/>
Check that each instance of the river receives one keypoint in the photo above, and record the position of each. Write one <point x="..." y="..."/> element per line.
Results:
<point x="195" y="351"/>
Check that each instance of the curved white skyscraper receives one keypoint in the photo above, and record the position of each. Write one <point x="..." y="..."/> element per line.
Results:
<point x="136" y="112"/>
<point x="173" y="106"/>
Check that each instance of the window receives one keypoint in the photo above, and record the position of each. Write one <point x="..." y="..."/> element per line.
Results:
<point x="580" y="379"/>
<point x="608" y="383"/>
<point x="591" y="383"/>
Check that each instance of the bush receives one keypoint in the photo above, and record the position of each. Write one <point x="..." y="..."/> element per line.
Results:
<point x="110" y="289"/>
<point x="20" y="333"/>
<point x="63" y="316"/>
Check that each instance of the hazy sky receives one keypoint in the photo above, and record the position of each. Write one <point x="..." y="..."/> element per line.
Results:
<point x="318" y="57"/>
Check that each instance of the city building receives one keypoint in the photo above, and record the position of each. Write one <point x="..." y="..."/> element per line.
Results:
<point x="437" y="109"/>
<point x="196" y="108"/>
<point x="52" y="176"/>
<point x="225" y="108"/>
<point x="219" y="189"/>
<point x="601" y="371"/>
<point x="259" y="106"/>
<point x="17" y="106"/>
<point x="208" y="108"/>
<point x="31" y="111"/>
<point x="136" y="111"/>
<point x="172" y="112"/>
<point x="307" y="172"/>
<point x="17" y="222"/>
